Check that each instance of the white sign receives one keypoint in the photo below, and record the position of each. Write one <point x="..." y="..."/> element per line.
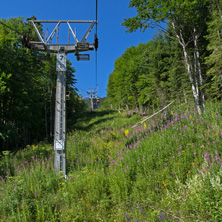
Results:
<point x="61" y="62"/>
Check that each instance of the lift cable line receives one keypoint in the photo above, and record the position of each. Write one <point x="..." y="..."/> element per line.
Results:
<point x="96" y="43"/>
<point x="11" y="28"/>
<point x="24" y="38"/>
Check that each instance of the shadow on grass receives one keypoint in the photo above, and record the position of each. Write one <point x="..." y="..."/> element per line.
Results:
<point x="86" y="117"/>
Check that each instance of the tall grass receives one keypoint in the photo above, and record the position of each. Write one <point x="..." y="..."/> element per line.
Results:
<point x="168" y="169"/>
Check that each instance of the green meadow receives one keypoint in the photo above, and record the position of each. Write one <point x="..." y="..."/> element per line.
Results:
<point x="166" y="169"/>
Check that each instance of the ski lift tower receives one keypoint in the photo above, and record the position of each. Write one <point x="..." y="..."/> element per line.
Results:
<point x="92" y="92"/>
<point x="62" y="50"/>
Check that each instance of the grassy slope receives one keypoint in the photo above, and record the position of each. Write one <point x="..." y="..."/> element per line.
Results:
<point x="167" y="169"/>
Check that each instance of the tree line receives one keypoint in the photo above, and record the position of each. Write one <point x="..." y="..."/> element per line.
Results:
<point x="28" y="87"/>
<point x="182" y="61"/>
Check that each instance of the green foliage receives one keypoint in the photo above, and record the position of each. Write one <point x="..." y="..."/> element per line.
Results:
<point x="214" y="59"/>
<point x="27" y="89"/>
<point x="146" y="73"/>
<point x="166" y="169"/>
<point x="188" y="20"/>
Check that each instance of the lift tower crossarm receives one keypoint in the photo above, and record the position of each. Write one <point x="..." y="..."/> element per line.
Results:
<point x="53" y="33"/>
<point x="76" y="40"/>
<point x="88" y="32"/>
<point x="68" y="48"/>
<point x="62" y="21"/>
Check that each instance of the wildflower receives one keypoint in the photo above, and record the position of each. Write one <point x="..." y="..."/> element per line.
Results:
<point x="145" y="126"/>
<point x="161" y="216"/>
<point x="194" y="153"/>
<point x="189" y="171"/>
<point x="126" y="133"/>
<point x="183" y="151"/>
<point x="193" y="163"/>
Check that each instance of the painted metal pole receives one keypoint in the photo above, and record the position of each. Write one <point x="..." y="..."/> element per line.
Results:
<point x="60" y="114"/>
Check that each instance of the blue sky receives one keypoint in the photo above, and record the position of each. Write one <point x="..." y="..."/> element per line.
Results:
<point x="113" y="39"/>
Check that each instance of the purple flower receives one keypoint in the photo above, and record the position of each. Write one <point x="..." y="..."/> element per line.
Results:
<point x="213" y="160"/>
<point x="138" y="160"/>
<point x="179" y="153"/>
<point x="161" y="216"/>
<point x="36" y="194"/>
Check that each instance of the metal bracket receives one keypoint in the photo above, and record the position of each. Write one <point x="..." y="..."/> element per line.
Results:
<point x="69" y="48"/>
